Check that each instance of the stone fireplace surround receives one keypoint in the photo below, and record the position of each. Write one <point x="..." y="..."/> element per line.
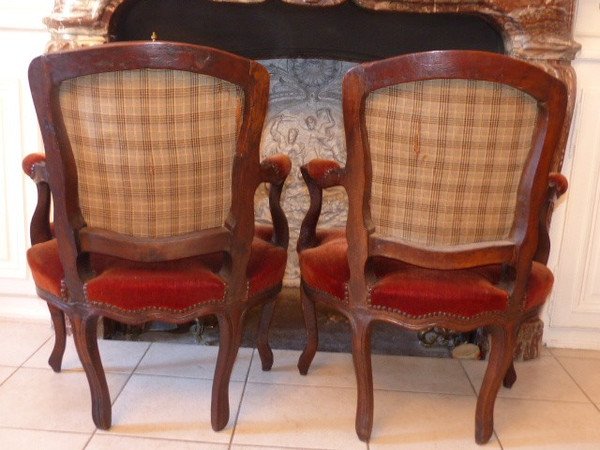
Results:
<point x="307" y="46"/>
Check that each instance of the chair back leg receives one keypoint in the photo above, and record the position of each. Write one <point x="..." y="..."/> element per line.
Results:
<point x="60" y="337"/>
<point x="312" y="333"/>
<point x="264" y="349"/>
<point x="511" y="376"/>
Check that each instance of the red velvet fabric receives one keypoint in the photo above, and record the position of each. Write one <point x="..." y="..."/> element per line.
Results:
<point x="30" y="160"/>
<point x="282" y="162"/>
<point x="417" y="291"/>
<point x="319" y="168"/>
<point x="174" y="285"/>
<point x="325" y="266"/>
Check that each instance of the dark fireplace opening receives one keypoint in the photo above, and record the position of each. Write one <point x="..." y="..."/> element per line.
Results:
<point x="274" y="29"/>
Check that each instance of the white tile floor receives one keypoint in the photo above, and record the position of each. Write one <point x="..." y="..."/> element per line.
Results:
<point x="161" y="400"/>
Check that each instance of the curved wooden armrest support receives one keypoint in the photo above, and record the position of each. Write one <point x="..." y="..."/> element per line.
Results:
<point x="318" y="174"/>
<point x="557" y="186"/>
<point x="274" y="170"/>
<point x="34" y="166"/>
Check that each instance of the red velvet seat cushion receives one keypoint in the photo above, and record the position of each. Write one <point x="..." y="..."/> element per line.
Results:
<point x="174" y="285"/>
<point x="413" y="290"/>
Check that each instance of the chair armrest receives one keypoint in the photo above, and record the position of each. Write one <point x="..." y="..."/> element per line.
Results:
<point x="324" y="172"/>
<point x="557" y="186"/>
<point x="274" y="170"/>
<point x="318" y="174"/>
<point x="34" y="166"/>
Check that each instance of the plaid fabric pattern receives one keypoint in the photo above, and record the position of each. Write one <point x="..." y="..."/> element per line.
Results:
<point x="153" y="149"/>
<point x="447" y="157"/>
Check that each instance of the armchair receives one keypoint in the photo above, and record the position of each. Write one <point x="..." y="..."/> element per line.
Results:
<point x="151" y="162"/>
<point x="447" y="175"/>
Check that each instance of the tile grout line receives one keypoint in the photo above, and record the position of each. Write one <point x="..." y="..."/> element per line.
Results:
<point x="130" y="374"/>
<point x="237" y="414"/>
<point x="14" y="370"/>
<point x="90" y="437"/>
<point x="22" y="365"/>
<point x="39" y="348"/>
<point x="112" y="404"/>
<point x="466" y="374"/>
<point x="575" y="381"/>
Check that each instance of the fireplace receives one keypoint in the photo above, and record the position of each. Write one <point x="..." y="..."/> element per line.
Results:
<point x="307" y="46"/>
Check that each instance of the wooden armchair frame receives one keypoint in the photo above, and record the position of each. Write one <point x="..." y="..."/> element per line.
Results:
<point x="361" y="247"/>
<point x="229" y="247"/>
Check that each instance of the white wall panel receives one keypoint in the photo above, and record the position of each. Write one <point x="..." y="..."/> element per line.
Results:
<point x="576" y="299"/>
<point x="22" y="37"/>
<point x="573" y="314"/>
<point x="24" y="14"/>
<point x="11" y="202"/>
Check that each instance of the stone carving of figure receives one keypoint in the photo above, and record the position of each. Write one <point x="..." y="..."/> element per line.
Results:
<point x="286" y="142"/>
<point x="322" y="133"/>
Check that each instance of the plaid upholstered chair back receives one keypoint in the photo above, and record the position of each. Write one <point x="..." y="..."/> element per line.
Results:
<point x="449" y="154"/>
<point x="154" y="149"/>
<point x="447" y="157"/>
<point x="144" y="144"/>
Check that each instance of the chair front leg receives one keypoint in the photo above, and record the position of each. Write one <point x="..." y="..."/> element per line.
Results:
<point x="264" y="349"/>
<point x="230" y="338"/>
<point x="60" y="337"/>
<point x="85" y="334"/>
<point x="499" y="366"/>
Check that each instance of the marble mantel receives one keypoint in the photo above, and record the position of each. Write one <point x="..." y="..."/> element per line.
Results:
<point x="540" y="29"/>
